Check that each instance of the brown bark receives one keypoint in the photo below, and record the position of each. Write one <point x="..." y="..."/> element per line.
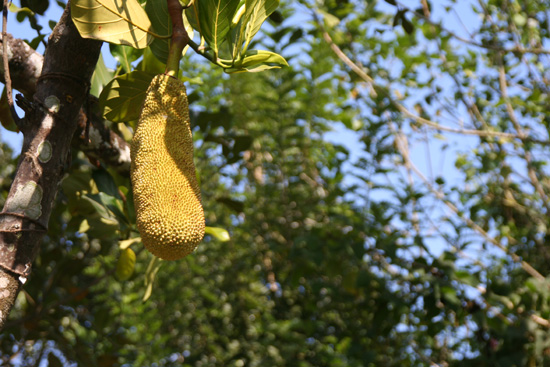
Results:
<point x="49" y="125"/>
<point x="103" y="144"/>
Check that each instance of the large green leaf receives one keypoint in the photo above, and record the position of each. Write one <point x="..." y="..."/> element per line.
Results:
<point x="256" y="13"/>
<point x="122" y="22"/>
<point x="150" y="63"/>
<point x="123" y="96"/>
<point x="214" y="18"/>
<point x="192" y="15"/>
<point x="161" y="21"/>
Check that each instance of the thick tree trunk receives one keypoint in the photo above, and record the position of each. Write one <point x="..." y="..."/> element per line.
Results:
<point x="49" y="125"/>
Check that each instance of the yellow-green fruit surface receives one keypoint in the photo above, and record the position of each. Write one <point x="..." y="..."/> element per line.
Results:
<point x="167" y="197"/>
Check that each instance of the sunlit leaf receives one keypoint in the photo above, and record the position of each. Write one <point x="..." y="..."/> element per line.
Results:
<point x="122" y="22"/>
<point x="123" y="96"/>
<point x="15" y="9"/>
<point x="150" y="274"/>
<point x="126" y="264"/>
<point x="101" y="76"/>
<point x="219" y="233"/>
<point x="124" y="244"/>
<point x="125" y="55"/>
<point x="214" y="19"/>
<point x="330" y="20"/>
<point x="257" y="12"/>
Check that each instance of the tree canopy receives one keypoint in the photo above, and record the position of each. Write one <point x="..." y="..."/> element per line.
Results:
<point x="376" y="196"/>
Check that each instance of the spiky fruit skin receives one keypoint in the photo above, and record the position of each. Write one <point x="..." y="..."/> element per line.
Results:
<point x="167" y="198"/>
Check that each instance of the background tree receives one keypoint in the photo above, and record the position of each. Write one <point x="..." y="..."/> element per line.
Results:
<point x="418" y="241"/>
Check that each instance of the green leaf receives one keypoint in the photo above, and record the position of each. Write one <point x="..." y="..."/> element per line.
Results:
<point x="107" y="207"/>
<point x="407" y="25"/>
<point x="519" y="19"/>
<point x="258" y="60"/>
<point x="162" y="23"/>
<point x="330" y="20"/>
<point x="101" y="76"/>
<point x="124" y="244"/>
<point x="219" y="233"/>
<point x="96" y="203"/>
<point x="123" y="96"/>
<point x="129" y="207"/>
<point x="241" y="8"/>
<point x="257" y="12"/>
<point x="192" y="15"/>
<point x="15" y="9"/>
<point x="100" y="228"/>
<point x="150" y="63"/>
<point x="105" y="182"/>
<point x="214" y="18"/>
<point x="123" y="22"/>
<point x="189" y="30"/>
<point x="150" y="274"/>
<point x="126" y="264"/>
<point x="6" y="117"/>
<point x="125" y="55"/>
<point x="466" y="277"/>
<point x="36" y="41"/>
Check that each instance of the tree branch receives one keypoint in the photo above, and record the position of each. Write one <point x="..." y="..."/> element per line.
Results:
<point x="104" y="145"/>
<point x="5" y="64"/>
<point x="48" y="128"/>
<point x="180" y="38"/>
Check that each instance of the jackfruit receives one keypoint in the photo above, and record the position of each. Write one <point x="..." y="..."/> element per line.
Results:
<point x="167" y="197"/>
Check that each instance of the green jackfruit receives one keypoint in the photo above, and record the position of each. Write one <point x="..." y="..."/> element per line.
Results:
<point x="167" y="197"/>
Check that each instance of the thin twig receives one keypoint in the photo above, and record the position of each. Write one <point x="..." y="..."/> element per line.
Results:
<point x="6" y="63"/>
<point x="363" y="75"/>
<point x="514" y="119"/>
<point x="400" y="144"/>
<point x="518" y="49"/>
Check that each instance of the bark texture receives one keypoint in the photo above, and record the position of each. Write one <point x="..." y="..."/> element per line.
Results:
<point x="49" y="125"/>
<point x="103" y="144"/>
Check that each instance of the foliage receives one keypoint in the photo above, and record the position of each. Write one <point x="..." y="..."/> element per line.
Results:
<point x="359" y="253"/>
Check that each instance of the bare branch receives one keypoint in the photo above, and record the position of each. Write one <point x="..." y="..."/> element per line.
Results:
<point x="527" y="154"/>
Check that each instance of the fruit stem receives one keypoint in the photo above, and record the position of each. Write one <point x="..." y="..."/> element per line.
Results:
<point x="180" y="38"/>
